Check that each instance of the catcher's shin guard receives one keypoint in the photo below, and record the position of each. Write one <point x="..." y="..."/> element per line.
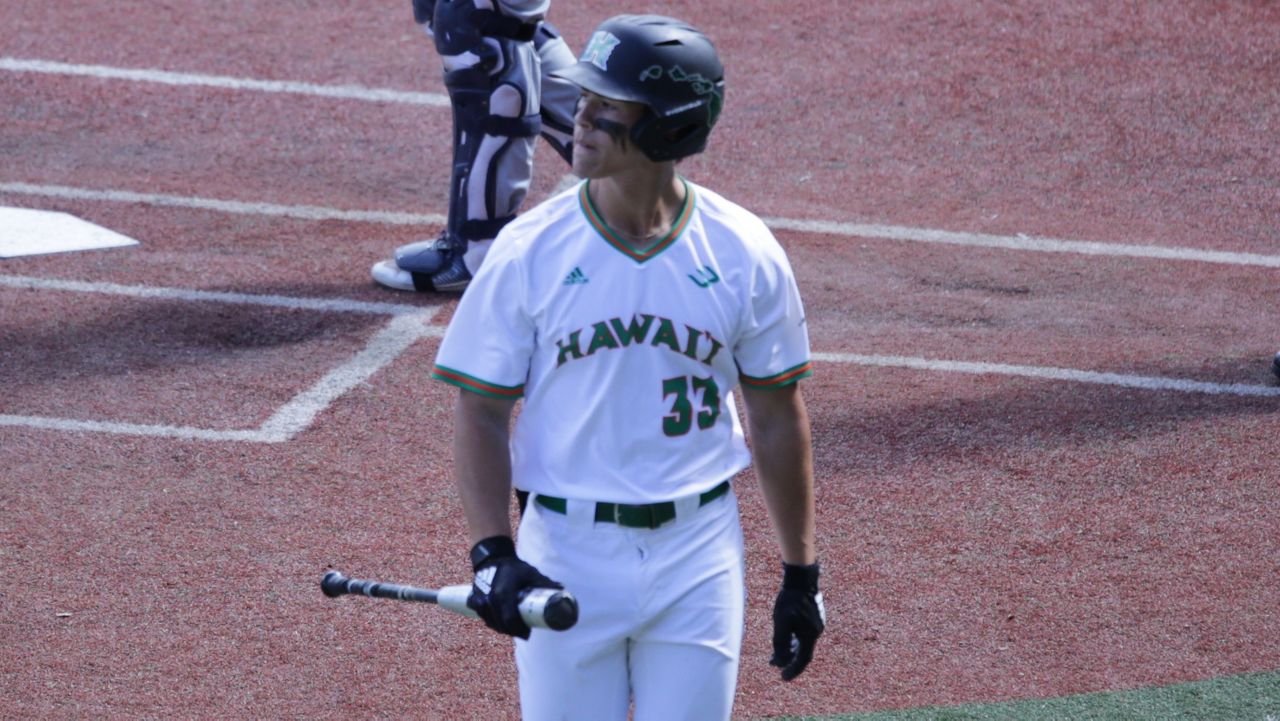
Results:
<point x="559" y="96"/>
<point x="492" y="76"/>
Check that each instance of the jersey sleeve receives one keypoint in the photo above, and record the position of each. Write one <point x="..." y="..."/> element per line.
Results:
<point x="488" y="344"/>
<point x="773" y="350"/>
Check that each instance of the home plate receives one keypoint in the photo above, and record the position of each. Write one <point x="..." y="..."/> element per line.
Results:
<point x="24" y="231"/>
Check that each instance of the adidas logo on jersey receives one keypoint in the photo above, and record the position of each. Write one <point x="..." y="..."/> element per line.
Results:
<point x="577" y="277"/>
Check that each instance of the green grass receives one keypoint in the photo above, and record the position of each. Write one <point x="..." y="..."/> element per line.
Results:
<point x="1249" y="697"/>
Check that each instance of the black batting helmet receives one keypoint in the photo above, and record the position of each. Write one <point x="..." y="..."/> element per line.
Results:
<point x="663" y="63"/>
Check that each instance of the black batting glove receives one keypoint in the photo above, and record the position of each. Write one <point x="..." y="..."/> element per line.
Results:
<point x="501" y="581"/>
<point x="798" y="619"/>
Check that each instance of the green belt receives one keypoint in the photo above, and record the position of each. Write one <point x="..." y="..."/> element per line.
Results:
<point x="648" y="515"/>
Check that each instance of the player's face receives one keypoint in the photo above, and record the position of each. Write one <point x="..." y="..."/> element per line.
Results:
<point x="601" y="127"/>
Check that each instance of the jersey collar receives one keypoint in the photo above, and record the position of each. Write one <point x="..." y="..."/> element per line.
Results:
<point x="659" y="245"/>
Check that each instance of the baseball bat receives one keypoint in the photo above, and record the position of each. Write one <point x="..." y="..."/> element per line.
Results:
<point x="552" y="608"/>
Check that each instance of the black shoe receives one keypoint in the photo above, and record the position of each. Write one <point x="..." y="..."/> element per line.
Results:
<point x="415" y="263"/>
<point x="453" y="279"/>
<point x="429" y="256"/>
<point x="1275" y="365"/>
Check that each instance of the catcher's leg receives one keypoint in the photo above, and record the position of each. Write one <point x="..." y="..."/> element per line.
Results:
<point x="559" y="96"/>
<point x="492" y="73"/>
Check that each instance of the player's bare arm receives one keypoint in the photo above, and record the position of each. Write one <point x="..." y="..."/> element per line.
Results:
<point x="482" y="462"/>
<point x="778" y="426"/>
<point x="483" y="470"/>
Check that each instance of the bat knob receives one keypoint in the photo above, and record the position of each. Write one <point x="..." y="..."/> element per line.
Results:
<point x="333" y="584"/>
<point x="562" y="611"/>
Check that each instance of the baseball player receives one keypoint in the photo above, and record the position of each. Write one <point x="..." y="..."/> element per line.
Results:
<point x="496" y="56"/>
<point x="628" y="313"/>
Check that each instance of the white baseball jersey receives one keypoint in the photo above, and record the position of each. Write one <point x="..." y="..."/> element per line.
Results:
<point x="626" y="359"/>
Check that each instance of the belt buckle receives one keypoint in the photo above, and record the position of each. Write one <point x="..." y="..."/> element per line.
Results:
<point x="638" y="516"/>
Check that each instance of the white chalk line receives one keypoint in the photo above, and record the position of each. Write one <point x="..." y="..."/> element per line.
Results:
<point x="1149" y="383"/>
<point x="1023" y="242"/>
<point x="385" y="346"/>
<point x="237" y="207"/>
<point x="333" y="305"/>
<point x="134" y="429"/>
<point x="886" y="232"/>
<point x="408" y="324"/>
<point x="224" y="82"/>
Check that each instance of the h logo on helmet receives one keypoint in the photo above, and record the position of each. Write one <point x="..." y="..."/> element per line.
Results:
<point x="599" y="49"/>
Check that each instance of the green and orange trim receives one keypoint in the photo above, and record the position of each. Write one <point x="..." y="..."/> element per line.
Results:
<point x="785" y="378"/>
<point x="659" y="245"/>
<point x="476" y="385"/>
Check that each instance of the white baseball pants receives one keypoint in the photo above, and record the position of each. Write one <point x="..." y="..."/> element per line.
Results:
<point x="660" y="615"/>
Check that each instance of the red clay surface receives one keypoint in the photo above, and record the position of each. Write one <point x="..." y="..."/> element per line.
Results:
<point x="983" y="537"/>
